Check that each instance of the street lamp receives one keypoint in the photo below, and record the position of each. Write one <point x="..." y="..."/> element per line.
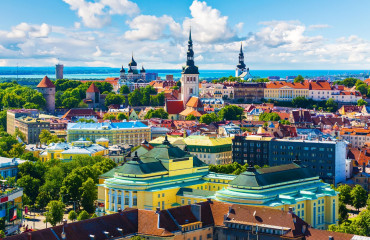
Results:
<point x="63" y="234"/>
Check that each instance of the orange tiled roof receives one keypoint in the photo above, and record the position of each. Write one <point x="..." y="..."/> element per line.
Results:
<point x="320" y="85"/>
<point x="280" y="84"/>
<point x="92" y="88"/>
<point x="194" y="102"/>
<point x="46" y="83"/>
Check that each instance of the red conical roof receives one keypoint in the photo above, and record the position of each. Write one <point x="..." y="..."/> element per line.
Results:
<point x="92" y="88"/>
<point x="46" y="83"/>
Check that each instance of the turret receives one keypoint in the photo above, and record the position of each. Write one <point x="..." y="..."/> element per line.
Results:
<point x="47" y="88"/>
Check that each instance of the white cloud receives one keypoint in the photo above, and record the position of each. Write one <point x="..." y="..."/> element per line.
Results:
<point x="25" y="30"/>
<point x="97" y="14"/>
<point x="147" y="27"/>
<point x="98" y="52"/>
<point x="121" y="7"/>
<point x="3" y="62"/>
<point x="208" y="24"/>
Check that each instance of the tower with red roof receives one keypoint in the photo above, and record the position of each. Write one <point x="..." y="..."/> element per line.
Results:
<point x="93" y="96"/>
<point x="47" y="88"/>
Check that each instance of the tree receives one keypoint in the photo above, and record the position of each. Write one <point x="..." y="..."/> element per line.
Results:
<point x="71" y="102"/>
<point x="343" y="212"/>
<point x="30" y="186"/>
<point x="134" y="98"/>
<point x="19" y="134"/>
<point x="83" y="215"/>
<point x="359" y="197"/>
<point x="55" y="211"/>
<point x="361" y="102"/>
<point x="29" y="156"/>
<point x="300" y="102"/>
<point x="109" y="116"/>
<point x="158" y="113"/>
<point x="348" y="82"/>
<point x="121" y="116"/>
<point x="72" y="215"/>
<point x="368" y="202"/>
<point x="299" y="79"/>
<point x="89" y="195"/>
<point x="84" y="120"/>
<point x="331" y="105"/>
<point x="285" y="122"/>
<point x="124" y="90"/>
<point x="113" y="98"/>
<point x="269" y="117"/>
<point x="344" y="194"/>
<point x="46" y="137"/>
<point x="17" y="150"/>
<point x="137" y="238"/>
<point x="231" y="112"/>
<point x="362" y="88"/>
<point x="208" y="118"/>
<point x="190" y="117"/>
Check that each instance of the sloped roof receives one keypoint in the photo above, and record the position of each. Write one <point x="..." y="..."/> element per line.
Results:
<point x="194" y="102"/>
<point x="174" y="106"/>
<point x="92" y="88"/>
<point x="74" y="112"/>
<point x="320" y="85"/>
<point x="271" y="175"/>
<point x="280" y="84"/>
<point x="46" y="83"/>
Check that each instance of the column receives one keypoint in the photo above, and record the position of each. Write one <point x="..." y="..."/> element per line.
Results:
<point x="106" y="200"/>
<point x="115" y="200"/>
<point x="110" y="200"/>
<point x="130" y="199"/>
<point x="123" y="200"/>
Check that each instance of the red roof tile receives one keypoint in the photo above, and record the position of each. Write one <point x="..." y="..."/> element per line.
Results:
<point x="46" y="83"/>
<point x="92" y="88"/>
<point x="174" y="106"/>
<point x="194" y="102"/>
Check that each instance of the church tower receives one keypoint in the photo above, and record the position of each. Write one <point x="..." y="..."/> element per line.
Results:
<point x="240" y="68"/>
<point x="189" y="76"/>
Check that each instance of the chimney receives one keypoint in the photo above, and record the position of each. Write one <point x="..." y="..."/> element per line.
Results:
<point x="158" y="211"/>
<point x="290" y="210"/>
<point x="92" y="237"/>
<point x="106" y="234"/>
<point x="29" y="236"/>
<point x="304" y="228"/>
<point x="209" y="200"/>
<point x="196" y="210"/>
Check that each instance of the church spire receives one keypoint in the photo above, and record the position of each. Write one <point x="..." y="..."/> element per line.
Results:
<point x="241" y="64"/>
<point x="190" y="68"/>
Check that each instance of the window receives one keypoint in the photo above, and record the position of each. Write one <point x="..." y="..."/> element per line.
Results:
<point x="182" y="201"/>
<point x="189" y="201"/>
<point x="159" y="195"/>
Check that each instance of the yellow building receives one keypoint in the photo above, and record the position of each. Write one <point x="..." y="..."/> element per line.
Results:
<point x="132" y="133"/>
<point x="167" y="176"/>
<point x="286" y="91"/>
<point x="82" y="147"/>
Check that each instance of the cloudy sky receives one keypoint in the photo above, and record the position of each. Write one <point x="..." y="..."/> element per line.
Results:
<point x="286" y="34"/>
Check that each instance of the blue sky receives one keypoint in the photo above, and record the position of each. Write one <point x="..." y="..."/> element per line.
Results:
<point x="287" y="34"/>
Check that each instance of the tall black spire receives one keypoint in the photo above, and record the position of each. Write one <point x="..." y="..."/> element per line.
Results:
<point x="241" y="64"/>
<point x="190" y="68"/>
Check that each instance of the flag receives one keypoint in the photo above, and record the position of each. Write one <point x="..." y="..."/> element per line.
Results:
<point x="26" y="209"/>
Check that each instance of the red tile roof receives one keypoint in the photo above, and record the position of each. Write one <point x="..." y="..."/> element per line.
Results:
<point x="46" y="83"/>
<point x="320" y="85"/>
<point x="280" y="84"/>
<point x="174" y="106"/>
<point x="92" y="88"/>
<point x="194" y="102"/>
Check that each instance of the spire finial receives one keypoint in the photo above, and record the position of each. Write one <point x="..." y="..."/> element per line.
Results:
<point x="241" y="47"/>
<point x="190" y="34"/>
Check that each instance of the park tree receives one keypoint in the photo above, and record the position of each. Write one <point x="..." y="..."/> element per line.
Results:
<point x="362" y="88"/>
<point x="71" y="102"/>
<point x="209" y="118"/>
<point x="190" y="117"/>
<point x="343" y="212"/>
<point x="134" y="98"/>
<point x="83" y="215"/>
<point x="121" y="116"/>
<point x="231" y="112"/>
<point x="331" y="105"/>
<point x="42" y="199"/>
<point x="109" y="116"/>
<point x="55" y="211"/>
<point x="89" y="195"/>
<point x="345" y="194"/>
<point x="157" y="113"/>
<point x="30" y="186"/>
<point x="269" y="117"/>
<point x="113" y="98"/>
<point x="361" y="102"/>
<point x="124" y="90"/>
<point x="299" y="79"/>
<point x="72" y="215"/>
<point x="359" y="197"/>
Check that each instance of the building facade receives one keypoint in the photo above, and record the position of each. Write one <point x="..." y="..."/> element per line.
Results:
<point x="285" y="91"/>
<point x="357" y="137"/>
<point x="9" y="166"/>
<point x="31" y="128"/>
<point x="248" y="91"/>
<point x="11" y="209"/>
<point x="67" y="151"/>
<point x="13" y="114"/>
<point x="167" y="176"/>
<point x="132" y="133"/>
<point x="326" y="158"/>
